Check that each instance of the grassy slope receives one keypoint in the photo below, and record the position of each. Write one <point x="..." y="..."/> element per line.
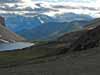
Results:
<point x="85" y="62"/>
<point x="21" y="56"/>
<point x="33" y="54"/>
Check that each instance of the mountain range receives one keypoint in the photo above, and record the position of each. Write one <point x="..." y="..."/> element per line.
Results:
<point x="46" y="20"/>
<point x="42" y="27"/>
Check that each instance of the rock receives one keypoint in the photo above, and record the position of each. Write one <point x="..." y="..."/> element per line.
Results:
<point x="2" y="21"/>
<point x="87" y="38"/>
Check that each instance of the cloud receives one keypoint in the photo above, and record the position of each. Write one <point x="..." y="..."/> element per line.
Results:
<point x="67" y="0"/>
<point x="9" y="1"/>
<point x="22" y="7"/>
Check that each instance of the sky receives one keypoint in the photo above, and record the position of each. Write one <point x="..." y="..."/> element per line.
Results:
<point x="89" y="1"/>
<point x="90" y="7"/>
<point x="67" y="0"/>
<point x="92" y="2"/>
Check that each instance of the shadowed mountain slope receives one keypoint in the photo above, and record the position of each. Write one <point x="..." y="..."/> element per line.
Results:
<point x="89" y="37"/>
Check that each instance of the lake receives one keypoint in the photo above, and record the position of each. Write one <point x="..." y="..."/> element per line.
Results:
<point x="14" y="46"/>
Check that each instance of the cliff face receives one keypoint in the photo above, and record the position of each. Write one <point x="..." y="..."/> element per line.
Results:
<point x="2" y="21"/>
<point x="6" y="35"/>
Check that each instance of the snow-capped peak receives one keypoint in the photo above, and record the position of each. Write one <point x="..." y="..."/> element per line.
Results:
<point x="41" y="20"/>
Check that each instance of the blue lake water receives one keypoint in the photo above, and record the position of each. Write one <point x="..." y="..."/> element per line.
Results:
<point x="14" y="46"/>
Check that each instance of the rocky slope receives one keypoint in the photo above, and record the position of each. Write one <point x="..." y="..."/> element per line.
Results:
<point x="6" y="35"/>
<point x="89" y="37"/>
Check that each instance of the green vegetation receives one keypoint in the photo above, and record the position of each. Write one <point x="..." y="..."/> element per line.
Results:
<point x="21" y="56"/>
<point x="40" y="42"/>
<point x="35" y="54"/>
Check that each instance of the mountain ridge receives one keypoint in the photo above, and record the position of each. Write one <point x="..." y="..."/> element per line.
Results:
<point x="7" y="35"/>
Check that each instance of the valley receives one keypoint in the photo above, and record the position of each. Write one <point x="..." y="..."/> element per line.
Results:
<point x="71" y="42"/>
<point x="49" y="37"/>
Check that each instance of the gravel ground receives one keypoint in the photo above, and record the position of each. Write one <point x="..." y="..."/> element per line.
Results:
<point x="78" y="63"/>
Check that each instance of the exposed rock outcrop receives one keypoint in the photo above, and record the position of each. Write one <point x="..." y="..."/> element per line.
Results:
<point x="6" y="35"/>
<point x="84" y="39"/>
<point x="2" y="21"/>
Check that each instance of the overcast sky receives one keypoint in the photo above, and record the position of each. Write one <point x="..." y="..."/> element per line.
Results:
<point x="52" y="0"/>
<point x="91" y="7"/>
<point x="69" y="0"/>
